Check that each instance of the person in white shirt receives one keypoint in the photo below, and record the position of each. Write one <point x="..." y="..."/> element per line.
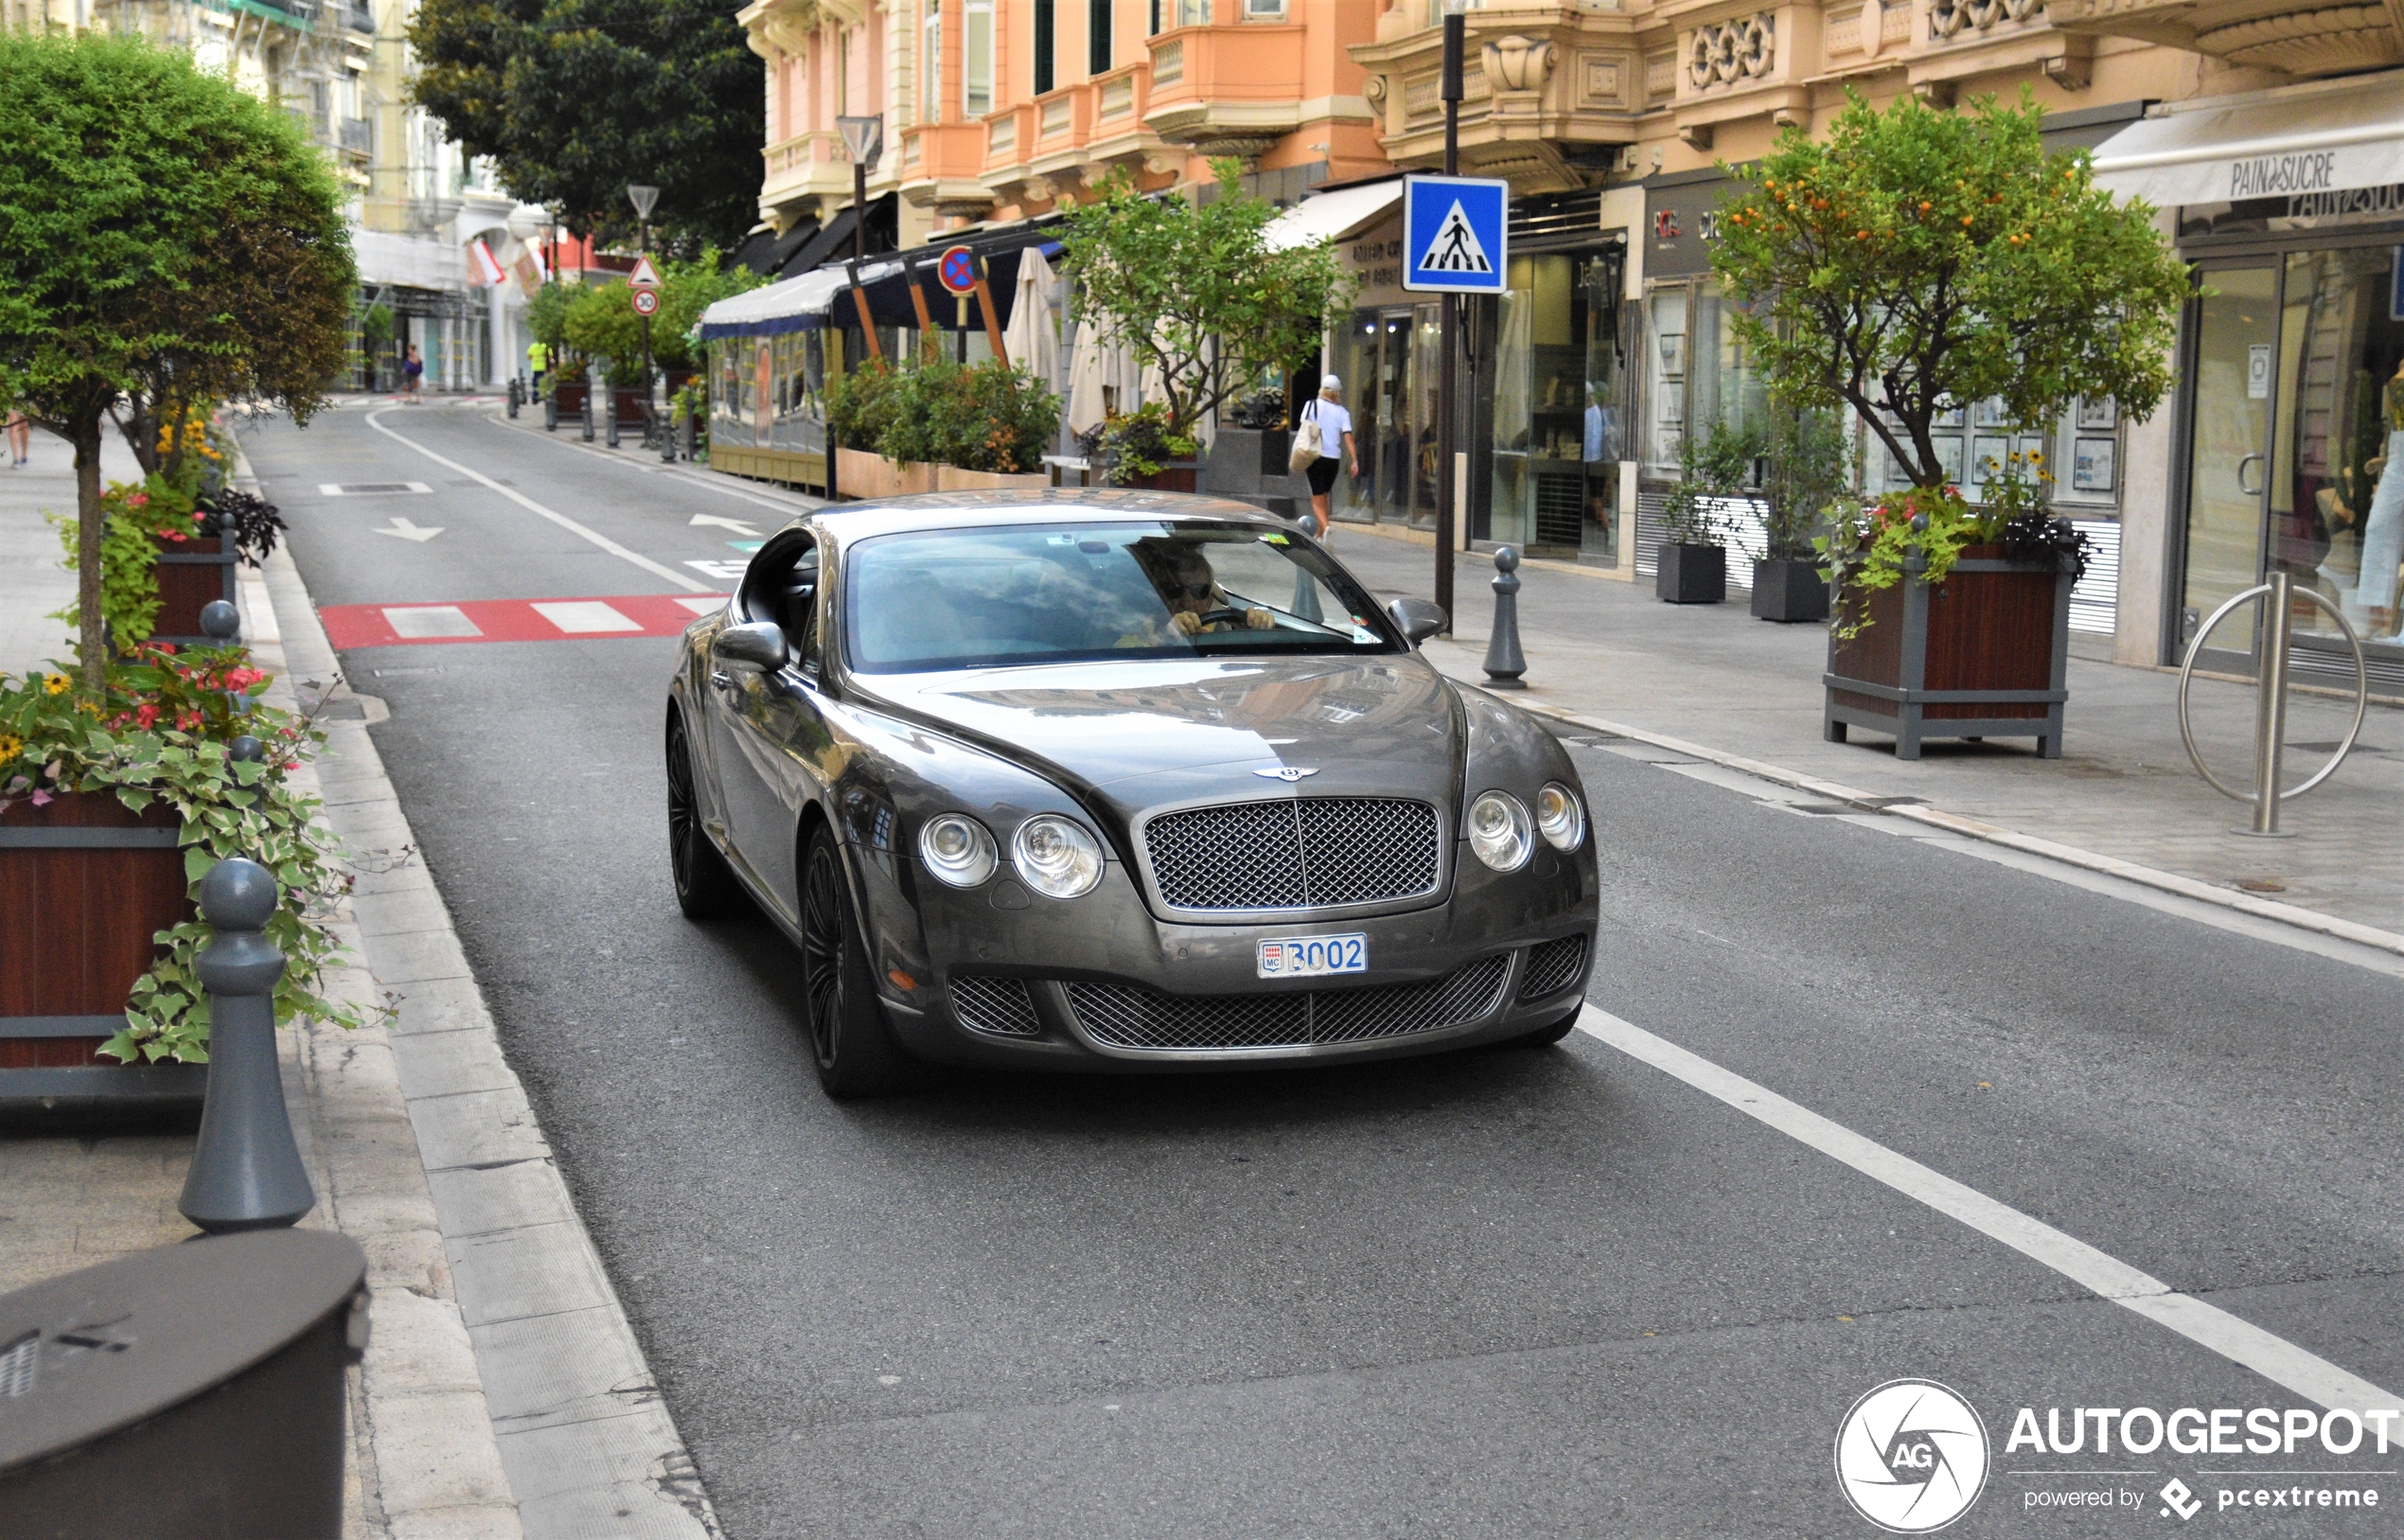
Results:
<point x="1334" y="428"/>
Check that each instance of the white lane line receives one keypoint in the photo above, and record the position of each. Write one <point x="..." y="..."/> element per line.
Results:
<point x="706" y="604"/>
<point x="2274" y="1358"/>
<point x="579" y="617"/>
<point x="711" y="481"/>
<point x="657" y="569"/>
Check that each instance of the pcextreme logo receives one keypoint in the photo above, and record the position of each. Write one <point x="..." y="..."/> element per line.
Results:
<point x="1911" y="1457"/>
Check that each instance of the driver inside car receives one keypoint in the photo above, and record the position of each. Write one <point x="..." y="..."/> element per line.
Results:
<point x="1190" y="590"/>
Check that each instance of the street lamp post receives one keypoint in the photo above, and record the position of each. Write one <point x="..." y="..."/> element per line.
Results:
<point x="644" y="199"/>
<point x="1447" y="374"/>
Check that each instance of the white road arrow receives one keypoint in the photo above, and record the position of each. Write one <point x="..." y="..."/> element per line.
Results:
<point x="403" y="529"/>
<point x="713" y="520"/>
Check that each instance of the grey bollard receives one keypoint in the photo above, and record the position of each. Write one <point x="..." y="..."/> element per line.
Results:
<point x="246" y="1173"/>
<point x="587" y="413"/>
<point x="550" y="412"/>
<point x="513" y="398"/>
<point x="220" y="621"/>
<point x="246" y="747"/>
<point x="1505" y="662"/>
<point x="610" y="416"/>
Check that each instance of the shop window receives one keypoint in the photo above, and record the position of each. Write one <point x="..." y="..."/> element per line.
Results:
<point x="2337" y="489"/>
<point x="1557" y="431"/>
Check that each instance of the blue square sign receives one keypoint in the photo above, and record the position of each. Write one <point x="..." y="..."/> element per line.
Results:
<point x="1454" y="230"/>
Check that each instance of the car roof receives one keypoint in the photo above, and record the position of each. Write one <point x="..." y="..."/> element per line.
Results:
<point x="1035" y="505"/>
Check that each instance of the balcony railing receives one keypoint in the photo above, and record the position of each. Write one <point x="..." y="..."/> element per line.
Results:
<point x="358" y="136"/>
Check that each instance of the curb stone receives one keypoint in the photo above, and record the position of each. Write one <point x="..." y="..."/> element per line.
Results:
<point x="551" y="1392"/>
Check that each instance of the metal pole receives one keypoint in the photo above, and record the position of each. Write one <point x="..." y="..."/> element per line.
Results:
<point x="2270" y="708"/>
<point x="1446" y="375"/>
<point x="1505" y="662"/>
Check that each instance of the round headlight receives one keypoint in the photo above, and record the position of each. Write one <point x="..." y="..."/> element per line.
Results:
<point x="957" y="849"/>
<point x="1498" y="831"/>
<point x="1559" y="817"/>
<point x="1056" y="856"/>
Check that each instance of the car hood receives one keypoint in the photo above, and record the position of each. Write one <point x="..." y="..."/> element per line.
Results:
<point x="1143" y="733"/>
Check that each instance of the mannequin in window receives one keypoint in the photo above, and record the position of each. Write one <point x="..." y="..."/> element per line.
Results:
<point x="2375" y="594"/>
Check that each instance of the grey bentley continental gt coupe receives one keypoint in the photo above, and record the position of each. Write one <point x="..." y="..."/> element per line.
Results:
<point x="1117" y="781"/>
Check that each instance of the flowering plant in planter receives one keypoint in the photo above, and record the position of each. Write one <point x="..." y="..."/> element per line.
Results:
<point x="1137" y="444"/>
<point x="1870" y="543"/>
<point x="162" y="734"/>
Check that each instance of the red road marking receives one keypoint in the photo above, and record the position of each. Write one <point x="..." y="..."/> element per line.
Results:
<point x="350" y="625"/>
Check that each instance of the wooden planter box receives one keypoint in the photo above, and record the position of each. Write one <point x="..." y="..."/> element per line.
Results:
<point x="1174" y="476"/>
<point x="1981" y="655"/>
<point x="192" y="573"/>
<point x="84" y="884"/>
<point x="567" y="400"/>
<point x="865" y="473"/>
<point x="951" y="478"/>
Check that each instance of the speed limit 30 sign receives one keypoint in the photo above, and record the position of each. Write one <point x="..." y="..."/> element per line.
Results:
<point x="647" y="302"/>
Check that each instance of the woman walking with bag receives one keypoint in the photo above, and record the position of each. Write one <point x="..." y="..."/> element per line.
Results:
<point x="1326" y="427"/>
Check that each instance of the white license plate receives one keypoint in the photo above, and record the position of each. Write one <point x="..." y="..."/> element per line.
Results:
<point x="1314" y="957"/>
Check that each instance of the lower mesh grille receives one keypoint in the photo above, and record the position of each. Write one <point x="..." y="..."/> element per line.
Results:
<point x="999" y="1007"/>
<point x="1553" y="967"/>
<point x="1130" y="1016"/>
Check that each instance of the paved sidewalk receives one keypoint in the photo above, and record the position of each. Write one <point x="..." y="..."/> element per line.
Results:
<point x="504" y="1393"/>
<point x="1713" y="676"/>
<point x="32" y="581"/>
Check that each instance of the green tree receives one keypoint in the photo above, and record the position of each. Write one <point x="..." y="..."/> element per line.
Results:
<point x="1194" y="291"/>
<point x="163" y="235"/>
<point x="1921" y="260"/>
<point x="574" y="98"/>
<point x="598" y="321"/>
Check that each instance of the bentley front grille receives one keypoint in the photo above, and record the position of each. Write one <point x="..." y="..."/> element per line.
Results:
<point x="1553" y="966"/>
<point x="1315" y="852"/>
<point x="1131" y="1015"/>
<point x="998" y="1006"/>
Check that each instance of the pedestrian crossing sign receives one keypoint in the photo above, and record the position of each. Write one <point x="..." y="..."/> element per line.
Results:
<point x="1454" y="234"/>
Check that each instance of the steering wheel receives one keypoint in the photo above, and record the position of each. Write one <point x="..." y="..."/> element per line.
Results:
<point x="1239" y="619"/>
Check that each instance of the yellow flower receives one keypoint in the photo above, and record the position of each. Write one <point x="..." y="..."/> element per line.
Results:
<point x="55" y="683"/>
<point x="11" y="746"/>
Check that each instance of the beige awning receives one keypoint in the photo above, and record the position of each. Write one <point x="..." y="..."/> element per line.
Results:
<point x="2266" y="144"/>
<point x="1332" y="215"/>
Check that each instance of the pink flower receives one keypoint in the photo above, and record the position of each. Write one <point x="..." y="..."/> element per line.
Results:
<point x="41" y="797"/>
<point x="146" y="716"/>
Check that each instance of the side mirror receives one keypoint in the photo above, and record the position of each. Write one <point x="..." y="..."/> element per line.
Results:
<point x="1417" y="619"/>
<point x="759" y="644"/>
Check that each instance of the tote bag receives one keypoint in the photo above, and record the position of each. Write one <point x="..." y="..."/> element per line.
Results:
<point x="1307" y="441"/>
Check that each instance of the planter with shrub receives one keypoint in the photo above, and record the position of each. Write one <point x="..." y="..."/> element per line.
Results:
<point x="111" y="807"/>
<point x="1952" y="622"/>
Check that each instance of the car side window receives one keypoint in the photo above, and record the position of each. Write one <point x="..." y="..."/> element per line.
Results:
<point x="787" y="594"/>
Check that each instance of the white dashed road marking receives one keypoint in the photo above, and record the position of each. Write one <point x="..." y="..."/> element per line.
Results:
<point x="580" y="616"/>
<point x="425" y="621"/>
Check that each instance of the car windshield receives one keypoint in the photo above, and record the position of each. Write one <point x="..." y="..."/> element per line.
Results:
<point x="966" y="598"/>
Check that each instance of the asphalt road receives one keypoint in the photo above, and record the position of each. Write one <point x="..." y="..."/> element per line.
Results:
<point x="1512" y="1293"/>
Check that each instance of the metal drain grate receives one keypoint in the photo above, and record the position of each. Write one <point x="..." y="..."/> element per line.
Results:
<point x="1131" y="1015"/>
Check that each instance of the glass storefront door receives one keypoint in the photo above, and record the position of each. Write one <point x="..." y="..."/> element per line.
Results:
<point x="2297" y="442"/>
<point x="2228" y="464"/>
<point x="1376" y="367"/>
<point x="2337" y="490"/>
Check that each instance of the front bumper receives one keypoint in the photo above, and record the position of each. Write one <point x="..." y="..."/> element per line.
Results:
<point x="999" y="976"/>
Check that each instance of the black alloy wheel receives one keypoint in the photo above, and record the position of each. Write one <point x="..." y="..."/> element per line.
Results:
<point x="705" y="889"/>
<point x="848" y="1039"/>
